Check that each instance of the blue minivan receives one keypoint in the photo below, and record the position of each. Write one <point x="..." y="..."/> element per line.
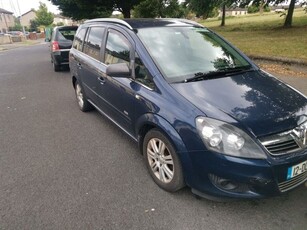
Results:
<point x="203" y="114"/>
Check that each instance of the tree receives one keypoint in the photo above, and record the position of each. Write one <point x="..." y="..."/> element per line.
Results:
<point x="202" y="8"/>
<point x="262" y="4"/>
<point x="125" y="6"/>
<point x="83" y="9"/>
<point x="80" y="9"/>
<point x="174" y="9"/>
<point x="159" y="8"/>
<point x="147" y="9"/>
<point x="43" y="17"/>
<point x="206" y="7"/>
<point x="288" y="21"/>
<point x="33" y="25"/>
<point x="17" y="25"/>
<point x="225" y="3"/>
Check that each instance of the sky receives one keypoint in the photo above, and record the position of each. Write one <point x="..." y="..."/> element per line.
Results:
<point x="25" y="6"/>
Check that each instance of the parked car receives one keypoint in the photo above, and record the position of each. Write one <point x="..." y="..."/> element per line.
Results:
<point x="15" y="33"/>
<point x="60" y="44"/>
<point x="203" y="114"/>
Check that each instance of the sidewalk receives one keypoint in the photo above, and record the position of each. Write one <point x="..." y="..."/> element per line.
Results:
<point x="21" y="44"/>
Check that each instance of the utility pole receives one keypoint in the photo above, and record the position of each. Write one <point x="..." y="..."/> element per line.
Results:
<point x="7" y="28"/>
<point x="23" y="28"/>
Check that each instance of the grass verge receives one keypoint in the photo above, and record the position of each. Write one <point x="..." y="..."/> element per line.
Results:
<point x="264" y="35"/>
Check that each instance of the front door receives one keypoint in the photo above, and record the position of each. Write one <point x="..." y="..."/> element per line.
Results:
<point x="116" y="95"/>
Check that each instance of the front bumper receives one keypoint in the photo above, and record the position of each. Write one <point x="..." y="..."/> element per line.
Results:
<point x="224" y="176"/>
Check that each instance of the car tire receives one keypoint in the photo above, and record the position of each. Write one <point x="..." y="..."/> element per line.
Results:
<point x="83" y="103"/>
<point x="162" y="161"/>
<point x="56" y="67"/>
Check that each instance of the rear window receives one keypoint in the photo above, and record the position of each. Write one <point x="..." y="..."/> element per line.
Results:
<point x="66" y="34"/>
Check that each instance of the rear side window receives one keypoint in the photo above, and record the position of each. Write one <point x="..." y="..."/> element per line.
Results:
<point x="117" y="49"/>
<point x="79" y="39"/>
<point x="66" y="34"/>
<point x="92" y="44"/>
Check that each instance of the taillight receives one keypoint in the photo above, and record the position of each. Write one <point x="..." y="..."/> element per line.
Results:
<point x="55" y="46"/>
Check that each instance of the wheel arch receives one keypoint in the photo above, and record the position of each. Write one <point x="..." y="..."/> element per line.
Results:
<point x="153" y="121"/>
<point x="150" y="121"/>
<point x="74" y="80"/>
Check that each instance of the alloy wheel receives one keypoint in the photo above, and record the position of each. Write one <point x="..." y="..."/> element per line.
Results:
<point x="160" y="160"/>
<point x="79" y="95"/>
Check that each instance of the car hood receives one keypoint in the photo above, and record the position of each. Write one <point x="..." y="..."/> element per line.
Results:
<point x="259" y="102"/>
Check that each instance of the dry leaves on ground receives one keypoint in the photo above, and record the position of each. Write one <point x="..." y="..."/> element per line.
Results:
<point x="284" y="70"/>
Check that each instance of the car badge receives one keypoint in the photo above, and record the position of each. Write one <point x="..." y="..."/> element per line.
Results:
<point x="300" y="136"/>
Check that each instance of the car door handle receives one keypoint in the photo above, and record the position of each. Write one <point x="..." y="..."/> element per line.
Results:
<point x="101" y="80"/>
<point x="79" y="65"/>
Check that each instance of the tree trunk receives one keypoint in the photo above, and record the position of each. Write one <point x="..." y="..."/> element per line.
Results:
<point x="288" y="21"/>
<point x="261" y="7"/>
<point x="223" y="15"/>
<point x="126" y="12"/>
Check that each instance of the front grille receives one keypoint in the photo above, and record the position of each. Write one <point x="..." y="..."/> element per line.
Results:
<point x="292" y="183"/>
<point x="281" y="147"/>
<point x="280" y="144"/>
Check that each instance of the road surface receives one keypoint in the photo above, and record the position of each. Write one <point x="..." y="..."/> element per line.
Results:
<point x="61" y="168"/>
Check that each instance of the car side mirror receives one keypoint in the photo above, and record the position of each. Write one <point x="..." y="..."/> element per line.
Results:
<point x="118" y="70"/>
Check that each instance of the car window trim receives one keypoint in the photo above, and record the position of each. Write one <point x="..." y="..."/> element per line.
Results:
<point x="101" y="42"/>
<point x="130" y="41"/>
<point x="82" y="39"/>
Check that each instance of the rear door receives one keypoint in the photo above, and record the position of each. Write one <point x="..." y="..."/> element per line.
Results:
<point x="90" y="65"/>
<point x="65" y="37"/>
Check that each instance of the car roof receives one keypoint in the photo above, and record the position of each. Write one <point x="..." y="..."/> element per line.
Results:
<point x="145" y="22"/>
<point x="159" y="22"/>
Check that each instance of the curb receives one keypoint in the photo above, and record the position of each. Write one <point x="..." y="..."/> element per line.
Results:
<point x="280" y="59"/>
<point x="15" y="45"/>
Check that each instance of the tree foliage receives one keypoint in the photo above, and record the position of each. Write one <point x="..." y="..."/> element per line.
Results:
<point x="33" y="25"/>
<point x="205" y="8"/>
<point x="159" y="8"/>
<point x="125" y="6"/>
<point x="80" y="9"/>
<point x="17" y="26"/>
<point x="202" y="8"/>
<point x="83" y="9"/>
<point x="43" y="17"/>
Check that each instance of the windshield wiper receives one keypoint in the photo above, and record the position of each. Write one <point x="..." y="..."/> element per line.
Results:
<point x="219" y="73"/>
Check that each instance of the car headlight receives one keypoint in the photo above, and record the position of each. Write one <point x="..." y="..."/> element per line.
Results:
<point x="227" y="139"/>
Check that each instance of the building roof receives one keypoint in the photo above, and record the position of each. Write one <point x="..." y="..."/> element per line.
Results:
<point x="32" y="10"/>
<point x="58" y="16"/>
<point x="236" y="9"/>
<point x="3" y="11"/>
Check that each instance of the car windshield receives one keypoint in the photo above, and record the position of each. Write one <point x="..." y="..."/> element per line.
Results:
<point x="183" y="52"/>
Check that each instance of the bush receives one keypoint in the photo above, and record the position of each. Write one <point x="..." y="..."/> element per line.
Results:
<point x="267" y="9"/>
<point x="252" y="9"/>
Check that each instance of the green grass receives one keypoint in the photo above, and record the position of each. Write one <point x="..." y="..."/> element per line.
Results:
<point x="264" y="35"/>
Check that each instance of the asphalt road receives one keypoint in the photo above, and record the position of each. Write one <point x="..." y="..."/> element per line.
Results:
<point x="61" y="168"/>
